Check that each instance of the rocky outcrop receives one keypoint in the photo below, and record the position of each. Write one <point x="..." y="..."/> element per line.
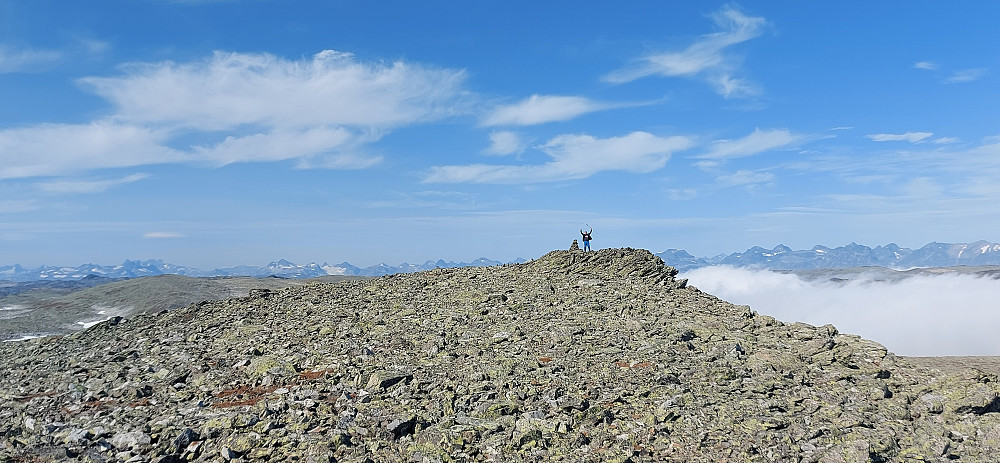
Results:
<point x="600" y="356"/>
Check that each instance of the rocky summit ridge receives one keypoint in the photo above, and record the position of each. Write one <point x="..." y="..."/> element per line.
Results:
<point x="598" y="356"/>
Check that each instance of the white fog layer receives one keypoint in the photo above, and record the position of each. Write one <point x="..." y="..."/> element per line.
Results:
<point x="917" y="316"/>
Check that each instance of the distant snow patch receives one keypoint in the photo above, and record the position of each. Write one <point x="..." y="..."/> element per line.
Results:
<point x="86" y="325"/>
<point x="25" y="338"/>
<point x="108" y="312"/>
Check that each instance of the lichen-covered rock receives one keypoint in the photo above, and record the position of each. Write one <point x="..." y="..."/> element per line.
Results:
<point x="601" y="356"/>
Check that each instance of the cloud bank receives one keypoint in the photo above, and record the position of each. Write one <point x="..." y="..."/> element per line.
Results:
<point x="917" y="316"/>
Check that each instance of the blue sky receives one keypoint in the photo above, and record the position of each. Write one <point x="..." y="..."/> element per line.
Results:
<point x="219" y="133"/>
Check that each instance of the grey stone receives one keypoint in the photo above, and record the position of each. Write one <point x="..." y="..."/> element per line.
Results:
<point x="130" y="440"/>
<point x="601" y="356"/>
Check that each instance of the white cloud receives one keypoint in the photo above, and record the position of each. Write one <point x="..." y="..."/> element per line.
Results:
<point x="705" y="57"/>
<point x="60" y="149"/>
<point x="504" y="142"/>
<point x="955" y="77"/>
<point x="731" y="87"/>
<point x="340" y="161"/>
<point x="912" y="137"/>
<point x="279" y="145"/>
<point x="88" y="186"/>
<point x="965" y="75"/>
<point x="745" y="177"/>
<point x="234" y="89"/>
<point x="708" y="166"/>
<point x="906" y="316"/>
<point x="573" y="157"/>
<point x="159" y="235"/>
<point x="257" y="107"/>
<point x="946" y="140"/>
<point x="13" y="59"/>
<point x="540" y="109"/>
<point x="757" y="142"/>
<point x="679" y="194"/>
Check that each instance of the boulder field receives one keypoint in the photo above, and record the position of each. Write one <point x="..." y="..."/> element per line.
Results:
<point x="574" y="356"/>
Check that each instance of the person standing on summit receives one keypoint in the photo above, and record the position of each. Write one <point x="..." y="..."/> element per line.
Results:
<point x="586" y="238"/>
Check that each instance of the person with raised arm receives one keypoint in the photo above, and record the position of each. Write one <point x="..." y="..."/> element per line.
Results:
<point x="586" y="238"/>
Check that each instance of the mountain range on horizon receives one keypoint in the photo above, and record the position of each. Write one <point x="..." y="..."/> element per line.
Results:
<point x="280" y="269"/>
<point x="780" y="257"/>
<point x="891" y="256"/>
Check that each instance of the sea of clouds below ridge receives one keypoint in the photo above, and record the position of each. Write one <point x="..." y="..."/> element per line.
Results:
<point x="938" y="315"/>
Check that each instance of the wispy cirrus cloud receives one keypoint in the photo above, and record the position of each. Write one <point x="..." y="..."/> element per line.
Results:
<point x="912" y="137"/>
<point x="965" y="75"/>
<point x="573" y="157"/>
<point x="955" y="76"/>
<point x="17" y="205"/>
<point x="682" y="194"/>
<point x="20" y="59"/>
<point x="705" y="58"/>
<point x="982" y="159"/>
<point x="757" y="142"/>
<point x="922" y="188"/>
<point x="162" y="235"/>
<point x="745" y="177"/>
<point x="541" y="109"/>
<point x="289" y="143"/>
<point x="88" y="186"/>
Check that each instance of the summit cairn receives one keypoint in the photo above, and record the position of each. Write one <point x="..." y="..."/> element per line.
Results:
<point x="575" y="246"/>
<point x="576" y="357"/>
